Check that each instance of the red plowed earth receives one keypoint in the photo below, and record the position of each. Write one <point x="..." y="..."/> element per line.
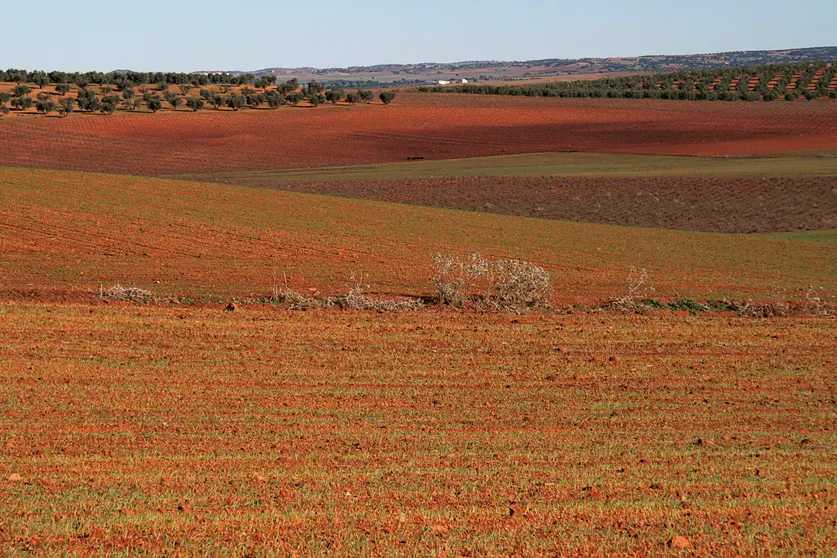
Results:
<point x="433" y="126"/>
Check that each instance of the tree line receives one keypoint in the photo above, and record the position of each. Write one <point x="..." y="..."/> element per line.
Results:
<point x="130" y="78"/>
<point x="124" y="95"/>
<point x="749" y="83"/>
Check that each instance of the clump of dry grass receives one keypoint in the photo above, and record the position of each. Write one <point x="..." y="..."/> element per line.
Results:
<point x="129" y="294"/>
<point x="481" y="284"/>
<point x="295" y="300"/>
<point x="639" y="289"/>
<point x="354" y="299"/>
<point x="286" y="295"/>
<point x="812" y="305"/>
<point x="815" y="303"/>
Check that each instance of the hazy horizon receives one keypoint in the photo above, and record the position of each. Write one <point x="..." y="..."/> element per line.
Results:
<point x="209" y="35"/>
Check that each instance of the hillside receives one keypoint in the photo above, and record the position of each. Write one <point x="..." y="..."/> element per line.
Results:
<point x="743" y="194"/>
<point x="73" y="233"/>
<point x="419" y="74"/>
<point x="430" y="126"/>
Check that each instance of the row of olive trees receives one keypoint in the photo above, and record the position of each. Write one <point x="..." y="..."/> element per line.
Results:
<point x="130" y="78"/>
<point x="705" y="84"/>
<point x="289" y="93"/>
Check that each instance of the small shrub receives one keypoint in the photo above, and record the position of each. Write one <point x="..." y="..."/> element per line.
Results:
<point x="455" y="279"/>
<point x="355" y="299"/>
<point x="814" y="303"/>
<point x="501" y="285"/>
<point x="639" y="289"/>
<point x="296" y="301"/>
<point x="518" y="286"/>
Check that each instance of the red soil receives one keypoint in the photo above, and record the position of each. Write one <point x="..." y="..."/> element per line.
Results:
<point x="434" y="126"/>
<point x="180" y="431"/>
<point x="74" y="232"/>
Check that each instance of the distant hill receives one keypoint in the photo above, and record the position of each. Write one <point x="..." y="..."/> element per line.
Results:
<point x="429" y="72"/>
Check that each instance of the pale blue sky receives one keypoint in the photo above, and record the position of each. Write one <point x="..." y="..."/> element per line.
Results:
<point x="185" y="35"/>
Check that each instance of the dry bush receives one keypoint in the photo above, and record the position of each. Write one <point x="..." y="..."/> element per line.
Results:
<point x="455" y="279"/>
<point x="751" y="309"/>
<point x="130" y="294"/>
<point x="295" y="300"/>
<point x="639" y="288"/>
<point x="482" y="284"/>
<point x="355" y="299"/>
<point x="286" y="295"/>
<point x="815" y="304"/>
<point x="518" y="286"/>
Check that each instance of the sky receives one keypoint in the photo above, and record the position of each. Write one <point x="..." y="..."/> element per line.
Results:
<point x="189" y="35"/>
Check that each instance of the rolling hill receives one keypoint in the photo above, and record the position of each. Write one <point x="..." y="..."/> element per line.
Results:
<point x="66" y="232"/>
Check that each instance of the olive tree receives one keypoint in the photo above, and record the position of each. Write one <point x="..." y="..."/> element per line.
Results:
<point x="195" y="103"/>
<point x="153" y="102"/>
<point x="334" y="95"/>
<point x="387" y="97"/>
<point x="65" y="106"/>
<point x="87" y="100"/>
<point x="217" y="101"/>
<point x="45" y="106"/>
<point x="108" y="104"/>
<point x="275" y="99"/>
<point x="173" y="99"/>
<point x="236" y="101"/>
<point x="21" y="103"/>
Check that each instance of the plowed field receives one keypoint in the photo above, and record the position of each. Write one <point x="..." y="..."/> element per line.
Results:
<point x="64" y="231"/>
<point x="418" y="125"/>
<point x="734" y="205"/>
<point x="188" y="431"/>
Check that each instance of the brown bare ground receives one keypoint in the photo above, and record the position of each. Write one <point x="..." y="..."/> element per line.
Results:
<point x="735" y="205"/>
